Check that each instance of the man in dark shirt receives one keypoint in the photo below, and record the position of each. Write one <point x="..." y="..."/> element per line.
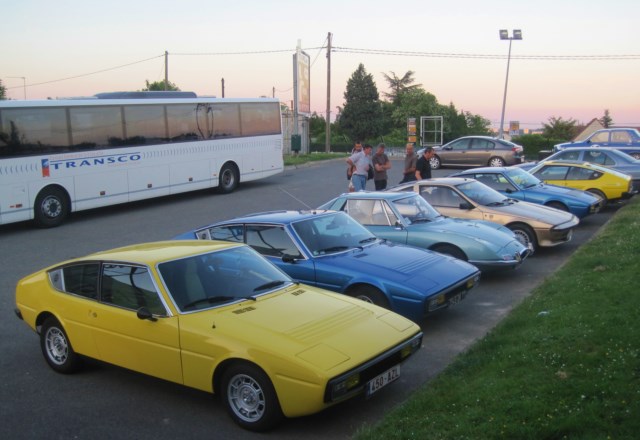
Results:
<point x="423" y="166"/>
<point x="381" y="164"/>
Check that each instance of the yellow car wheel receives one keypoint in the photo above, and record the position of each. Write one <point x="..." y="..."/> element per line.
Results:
<point x="56" y="347"/>
<point x="600" y="194"/>
<point x="250" y="397"/>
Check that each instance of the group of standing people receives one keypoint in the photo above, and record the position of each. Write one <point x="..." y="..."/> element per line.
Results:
<point x="362" y="166"/>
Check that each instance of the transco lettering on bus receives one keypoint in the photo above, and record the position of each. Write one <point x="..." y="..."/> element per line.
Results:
<point x="48" y="165"/>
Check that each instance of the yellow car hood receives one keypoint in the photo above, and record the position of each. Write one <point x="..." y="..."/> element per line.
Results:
<point x="322" y="328"/>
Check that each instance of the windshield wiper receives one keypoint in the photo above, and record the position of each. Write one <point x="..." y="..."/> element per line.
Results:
<point x="420" y="219"/>
<point x="334" y="249"/>
<point x="367" y="240"/>
<point x="215" y="299"/>
<point x="496" y="203"/>
<point x="268" y="285"/>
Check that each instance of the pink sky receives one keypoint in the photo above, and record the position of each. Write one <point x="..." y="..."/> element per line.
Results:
<point x="43" y="43"/>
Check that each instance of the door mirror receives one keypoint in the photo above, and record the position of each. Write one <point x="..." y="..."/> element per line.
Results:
<point x="466" y="206"/>
<point x="286" y="258"/>
<point x="144" y="313"/>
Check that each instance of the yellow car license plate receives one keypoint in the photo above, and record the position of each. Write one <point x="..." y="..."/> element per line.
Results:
<point x="383" y="379"/>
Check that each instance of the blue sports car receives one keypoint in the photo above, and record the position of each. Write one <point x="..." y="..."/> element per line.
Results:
<point x="520" y="185"/>
<point x="406" y="218"/>
<point x="331" y="250"/>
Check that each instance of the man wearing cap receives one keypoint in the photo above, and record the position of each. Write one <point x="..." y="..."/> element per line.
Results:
<point x="381" y="164"/>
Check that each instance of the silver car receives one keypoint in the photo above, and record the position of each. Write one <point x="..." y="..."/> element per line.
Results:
<point x="477" y="151"/>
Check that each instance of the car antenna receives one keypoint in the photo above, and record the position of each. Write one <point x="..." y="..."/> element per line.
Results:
<point x="293" y="197"/>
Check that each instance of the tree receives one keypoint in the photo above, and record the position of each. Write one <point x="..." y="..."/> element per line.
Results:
<point x="159" y="86"/>
<point x="399" y="85"/>
<point x="606" y="119"/>
<point x="559" y="128"/>
<point x="361" y="117"/>
<point x="3" y="91"/>
<point x="317" y="125"/>
<point x="414" y="103"/>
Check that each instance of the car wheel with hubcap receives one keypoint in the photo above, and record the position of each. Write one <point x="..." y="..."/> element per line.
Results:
<point x="435" y="162"/>
<point x="524" y="234"/>
<point x="56" y="347"/>
<point x="496" y="162"/>
<point x="600" y="194"/>
<point x="371" y="295"/>
<point x="250" y="397"/>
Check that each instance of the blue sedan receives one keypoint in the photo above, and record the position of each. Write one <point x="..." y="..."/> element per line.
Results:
<point x="331" y="250"/>
<point x="520" y="185"/>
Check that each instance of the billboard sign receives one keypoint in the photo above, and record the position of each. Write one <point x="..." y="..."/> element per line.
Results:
<point x="302" y="83"/>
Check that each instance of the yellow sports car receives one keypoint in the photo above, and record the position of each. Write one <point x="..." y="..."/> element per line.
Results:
<point x="218" y="317"/>
<point x="607" y="183"/>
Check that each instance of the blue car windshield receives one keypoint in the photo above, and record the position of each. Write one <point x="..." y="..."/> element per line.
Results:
<point x="481" y="193"/>
<point x="221" y="277"/>
<point x="522" y="178"/>
<point x="331" y="233"/>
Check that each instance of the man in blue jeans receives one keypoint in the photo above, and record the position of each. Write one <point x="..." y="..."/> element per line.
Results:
<point x="361" y="162"/>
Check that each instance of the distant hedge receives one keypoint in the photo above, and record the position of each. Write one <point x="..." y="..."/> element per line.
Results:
<point x="534" y="143"/>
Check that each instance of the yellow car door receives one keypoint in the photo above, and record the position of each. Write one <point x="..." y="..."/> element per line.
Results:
<point x="150" y="346"/>
<point x="553" y="174"/>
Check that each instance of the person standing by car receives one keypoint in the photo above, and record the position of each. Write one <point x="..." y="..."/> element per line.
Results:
<point x="381" y="164"/>
<point x="359" y="160"/>
<point x="423" y="165"/>
<point x="410" y="160"/>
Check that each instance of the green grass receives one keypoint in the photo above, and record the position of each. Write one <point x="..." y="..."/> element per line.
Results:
<point x="564" y="364"/>
<point x="297" y="159"/>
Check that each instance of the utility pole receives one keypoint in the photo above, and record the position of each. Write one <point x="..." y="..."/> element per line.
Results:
<point x="327" y="142"/>
<point x="273" y="92"/>
<point x="166" y="70"/>
<point x="222" y="87"/>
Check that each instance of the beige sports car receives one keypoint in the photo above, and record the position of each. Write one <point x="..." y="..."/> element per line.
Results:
<point x="534" y="225"/>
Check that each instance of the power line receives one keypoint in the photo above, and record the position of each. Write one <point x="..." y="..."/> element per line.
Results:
<point x="255" y="52"/>
<point x="91" y="73"/>
<point x="486" y="56"/>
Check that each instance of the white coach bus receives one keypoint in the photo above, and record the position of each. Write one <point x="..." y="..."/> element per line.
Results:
<point x="60" y="156"/>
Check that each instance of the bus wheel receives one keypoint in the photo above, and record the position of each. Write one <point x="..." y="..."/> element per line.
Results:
<point x="51" y="207"/>
<point x="228" y="178"/>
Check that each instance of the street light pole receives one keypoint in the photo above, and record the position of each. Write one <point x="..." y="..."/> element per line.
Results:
<point x="24" y="84"/>
<point x="504" y="35"/>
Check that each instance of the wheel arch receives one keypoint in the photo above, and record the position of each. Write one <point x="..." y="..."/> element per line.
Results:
<point x="434" y="247"/>
<point x="43" y="316"/>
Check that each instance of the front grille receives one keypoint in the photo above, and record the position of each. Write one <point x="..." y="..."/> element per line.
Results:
<point x="373" y="367"/>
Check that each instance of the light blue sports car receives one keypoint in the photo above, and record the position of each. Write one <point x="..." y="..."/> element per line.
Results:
<point x="405" y="217"/>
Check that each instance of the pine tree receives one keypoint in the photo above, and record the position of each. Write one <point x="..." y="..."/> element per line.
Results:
<point x="361" y="117"/>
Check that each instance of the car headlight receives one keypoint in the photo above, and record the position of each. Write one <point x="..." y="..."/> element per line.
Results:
<point x="343" y="387"/>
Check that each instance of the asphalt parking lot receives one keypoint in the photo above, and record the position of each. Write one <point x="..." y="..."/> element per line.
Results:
<point x="108" y="402"/>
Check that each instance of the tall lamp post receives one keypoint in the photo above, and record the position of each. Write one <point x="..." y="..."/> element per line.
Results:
<point x="24" y="84"/>
<point x="504" y="35"/>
